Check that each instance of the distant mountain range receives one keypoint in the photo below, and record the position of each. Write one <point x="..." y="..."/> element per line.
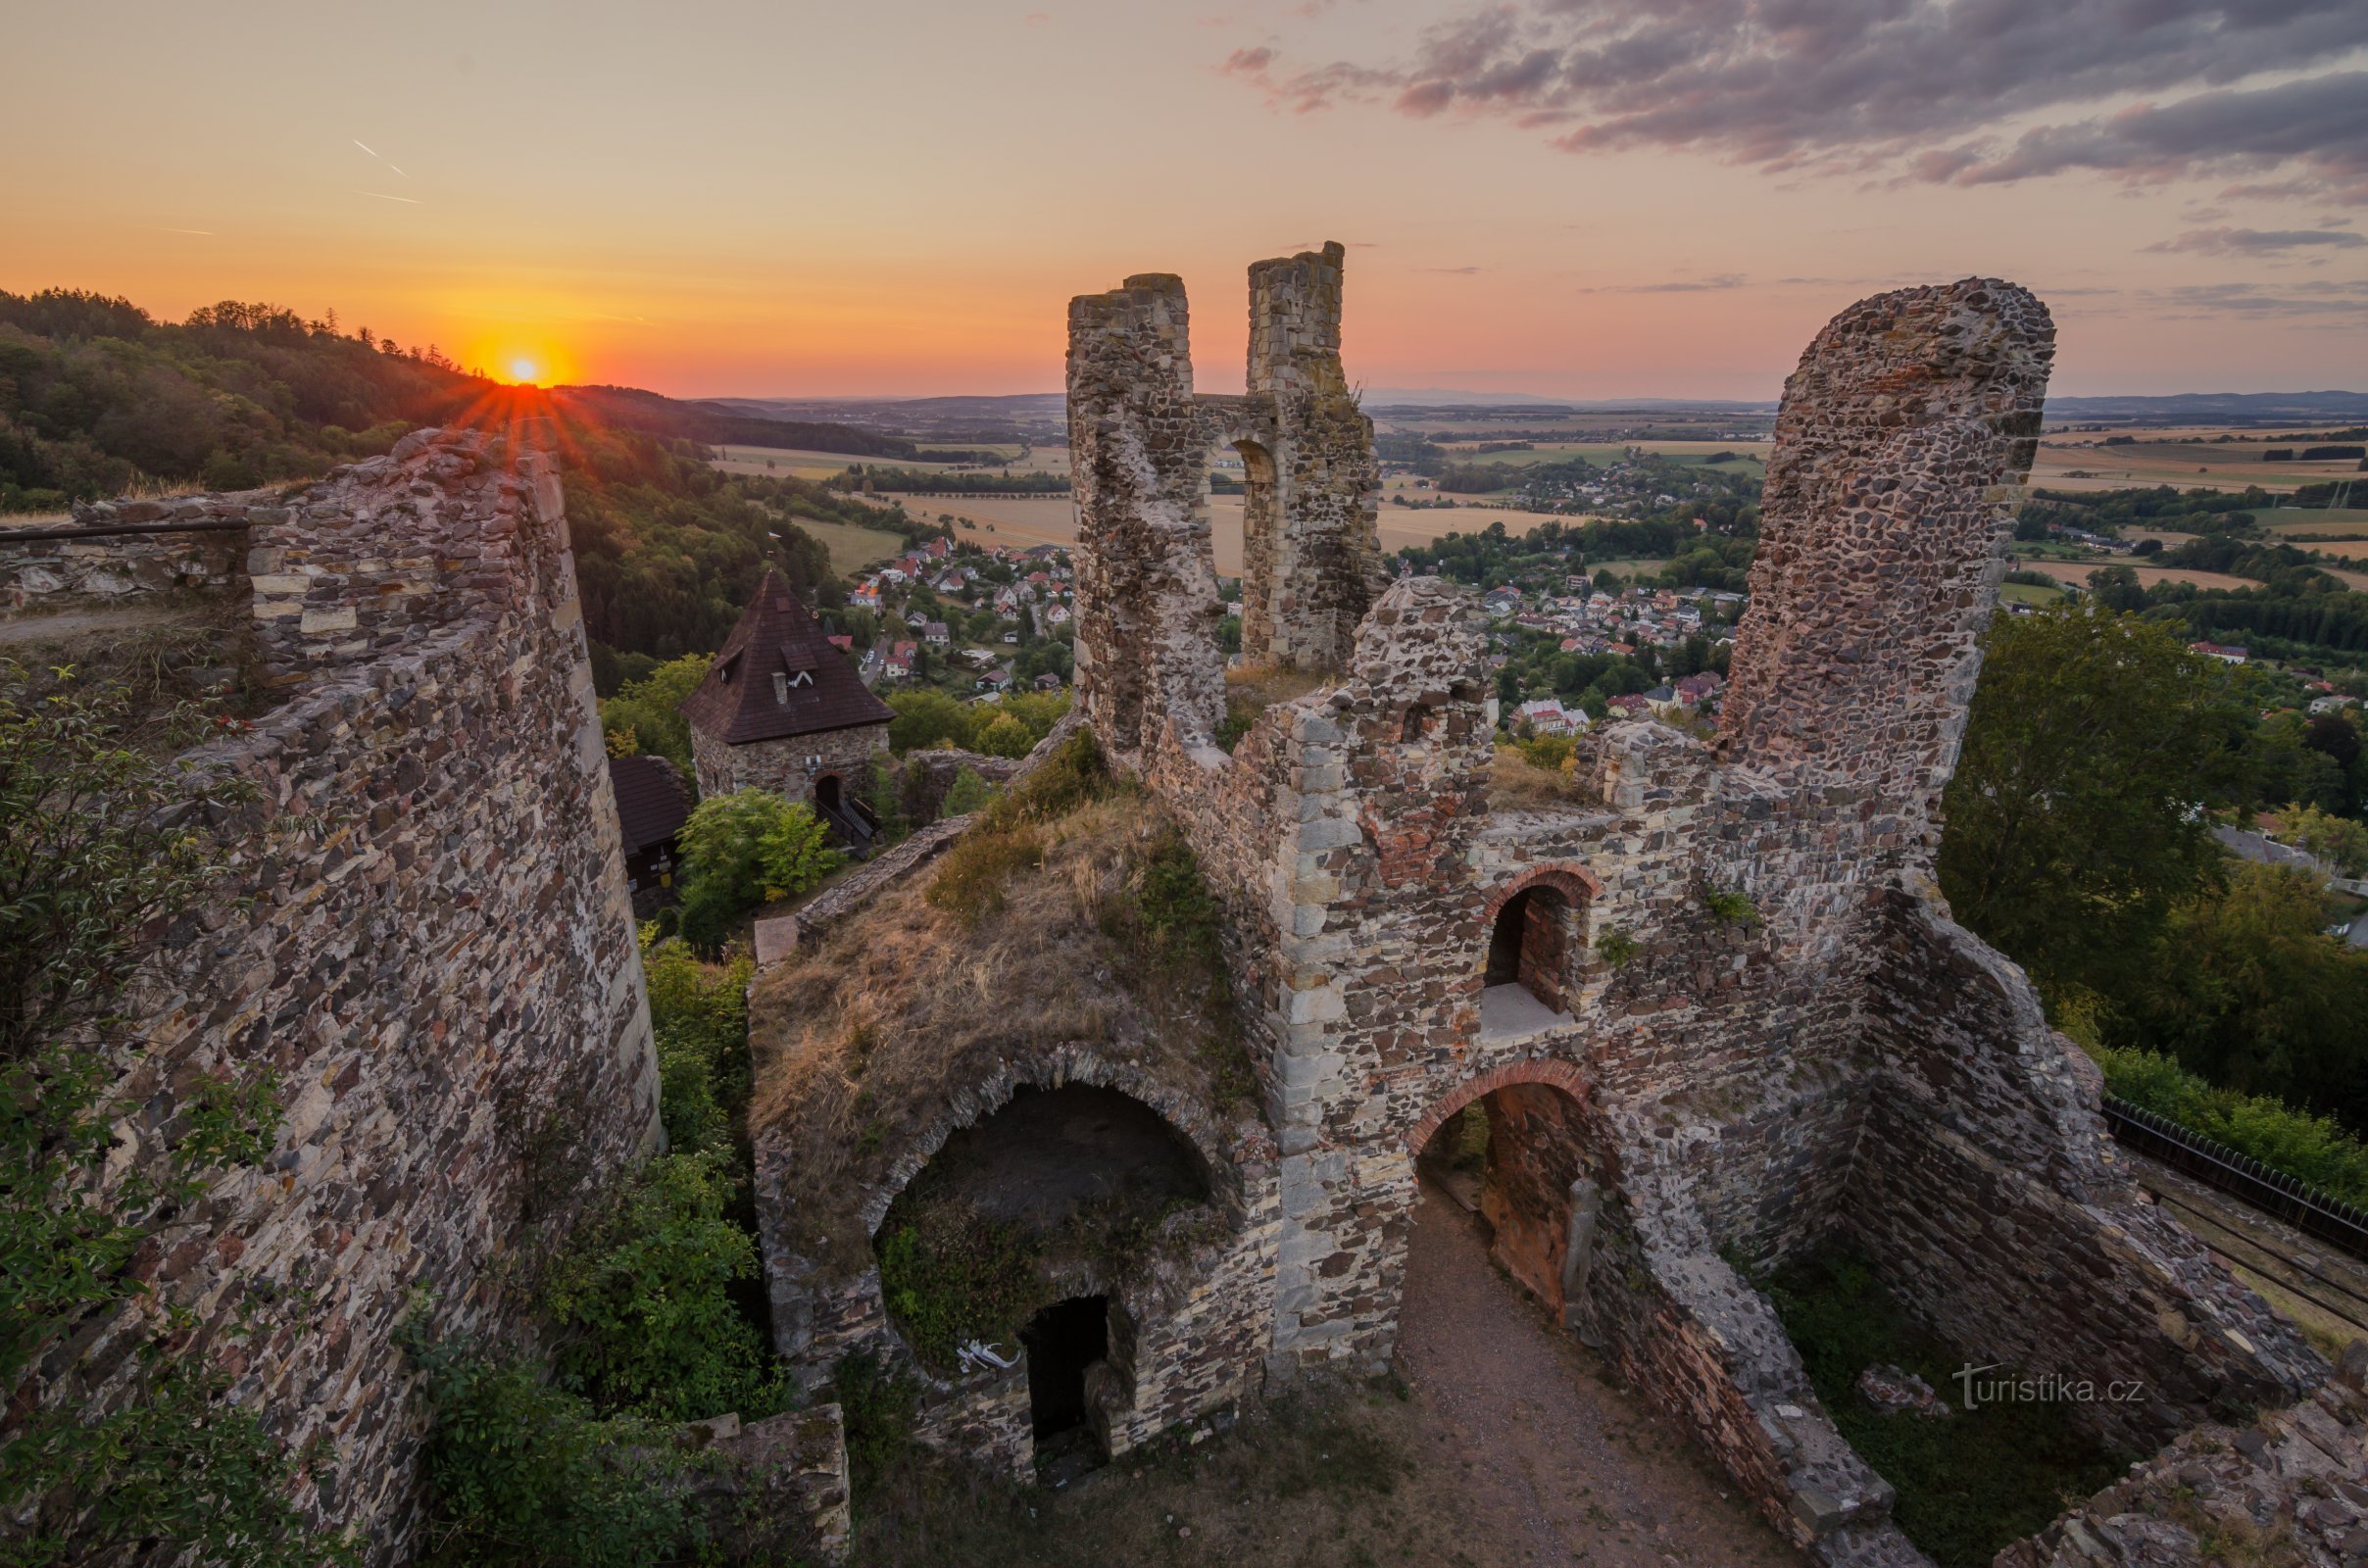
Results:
<point x="2217" y="408"/>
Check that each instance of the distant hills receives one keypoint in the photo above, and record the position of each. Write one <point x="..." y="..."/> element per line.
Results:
<point x="2215" y="408"/>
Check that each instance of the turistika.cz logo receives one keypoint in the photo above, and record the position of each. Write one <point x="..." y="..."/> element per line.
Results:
<point x="2049" y="1388"/>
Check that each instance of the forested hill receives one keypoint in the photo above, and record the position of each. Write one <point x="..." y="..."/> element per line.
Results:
<point x="719" y="426"/>
<point x="97" y="395"/>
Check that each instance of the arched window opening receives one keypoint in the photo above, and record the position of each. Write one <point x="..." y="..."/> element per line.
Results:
<point x="1417" y="723"/>
<point x="1528" y="959"/>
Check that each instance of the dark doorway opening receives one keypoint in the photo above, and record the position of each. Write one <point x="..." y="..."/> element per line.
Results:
<point x="826" y="792"/>
<point x="1063" y="1340"/>
<point x="1527" y="946"/>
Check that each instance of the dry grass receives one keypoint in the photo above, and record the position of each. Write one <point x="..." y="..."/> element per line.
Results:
<point x="1251" y="689"/>
<point x="862" y="1043"/>
<point x="1515" y="781"/>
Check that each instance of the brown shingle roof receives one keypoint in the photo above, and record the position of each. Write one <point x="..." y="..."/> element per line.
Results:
<point x="651" y="802"/>
<point x="740" y="702"/>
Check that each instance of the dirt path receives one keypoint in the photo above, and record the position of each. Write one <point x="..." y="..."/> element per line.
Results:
<point x="61" y="625"/>
<point x="1561" y="1466"/>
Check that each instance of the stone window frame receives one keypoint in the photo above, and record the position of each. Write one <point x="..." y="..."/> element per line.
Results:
<point x="1579" y="888"/>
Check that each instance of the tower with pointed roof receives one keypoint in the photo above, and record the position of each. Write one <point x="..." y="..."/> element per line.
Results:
<point x="782" y="709"/>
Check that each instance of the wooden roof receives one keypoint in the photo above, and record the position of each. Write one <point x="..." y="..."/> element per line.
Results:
<point x="740" y="701"/>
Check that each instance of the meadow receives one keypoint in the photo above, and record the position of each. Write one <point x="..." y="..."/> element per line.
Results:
<point x="2199" y="463"/>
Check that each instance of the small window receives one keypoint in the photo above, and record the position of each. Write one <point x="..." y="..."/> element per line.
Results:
<point x="1417" y="723"/>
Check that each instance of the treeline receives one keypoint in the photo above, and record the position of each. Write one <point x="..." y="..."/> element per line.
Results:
<point x="1493" y="555"/>
<point x="637" y="410"/>
<point x="878" y="477"/>
<point x="96" y="395"/>
<point x="2107" y="511"/>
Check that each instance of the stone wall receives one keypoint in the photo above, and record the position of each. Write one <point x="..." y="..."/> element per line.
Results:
<point x="430" y="946"/>
<point x="41" y="574"/>
<point x="790" y="767"/>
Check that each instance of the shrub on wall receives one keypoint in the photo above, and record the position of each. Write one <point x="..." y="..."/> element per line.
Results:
<point x="742" y="849"/>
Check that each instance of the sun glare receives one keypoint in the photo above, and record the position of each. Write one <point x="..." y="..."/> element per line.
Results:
<point x="522" y="371"/>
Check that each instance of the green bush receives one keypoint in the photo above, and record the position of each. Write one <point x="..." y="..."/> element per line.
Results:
<point x="642" y="1300"/>
<point x="1729" y="908"/>
<point x="1547" y="752"/>
<point x="2310" y="1149"/>
<point x="699" y="1012"/>
<point x="969" y="793"/>
<point x="524" y="1475"/>
<point x="743" y="849"/>
<point x="950" y="1275"/>
<point x="650" y="710"/>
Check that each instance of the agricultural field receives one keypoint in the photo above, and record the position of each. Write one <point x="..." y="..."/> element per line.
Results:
<point x="2076" y="572"/>
<point x="851" y="548"/>
<point x="2029" y="593"/>
<point x="2300" y="524"/>
<point x="2198" y="462"/>
<point x="789" y="462"/>
<point x="1750" y="456"/>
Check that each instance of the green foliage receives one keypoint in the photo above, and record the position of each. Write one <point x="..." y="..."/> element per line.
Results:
<point x="2249" y="990"/>
<point x="2340" y="841"/>
<point x="699" y="1012"/>
<point x="642" y="1301"/>
<point x="526" y="1474"/>
<point x="2072" y="819"/>
<point x="2310" y="1149"/>
<point x="1616" y="947"/>
<point x="650" y="710"/>
<point x="969" y="793"/>
<point x="1174" y="907"/>
<point x="743" y="849"/>
<point x="1729" y="907"/>
<point x="951" y="1275"/>
<point x="1006" y="736"/>
<point x="1547" y="751"/>
<point x="97" y="854"/>
<point x="878" y="1406"/>
<point x="1969" y="1483"/>
<point x="927" y="717"/>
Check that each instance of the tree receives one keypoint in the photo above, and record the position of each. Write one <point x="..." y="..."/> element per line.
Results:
<point x="2250" y="992"/>
<point x="1006" y="736"/>
<point x="2117" y="588"/>
<point x="2075" y="818"/>
<point x="926" y="718"/>
<point x="743" y="849"/>
<point x="2340" y="841"/>
<point x="651" y="710"/>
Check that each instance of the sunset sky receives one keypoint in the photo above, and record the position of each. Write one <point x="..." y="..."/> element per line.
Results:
<point x="1573" y="197"/>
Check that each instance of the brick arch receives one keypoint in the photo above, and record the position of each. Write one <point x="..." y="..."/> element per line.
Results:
<point x="1566" y="877"/>
<point x="1547" y="1070"/>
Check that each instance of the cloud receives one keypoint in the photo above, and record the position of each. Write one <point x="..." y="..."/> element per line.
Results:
<point x="1918" y="87"/>
<point x="1458" y="272"/>
<point x="2312" y="301"/>
<point x="1707" y="285"/>
<point x="2259" y="241"/>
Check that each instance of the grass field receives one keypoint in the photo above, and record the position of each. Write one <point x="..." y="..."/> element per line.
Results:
<point x="851" y="548"/>
<point x="798" y="462"/>
<point x="2296" y="523"/>
<point x="1751" y="457"/>
<point x="2029" y="593"/>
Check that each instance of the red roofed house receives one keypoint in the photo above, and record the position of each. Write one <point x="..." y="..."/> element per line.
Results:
<point x="781" y="710"/>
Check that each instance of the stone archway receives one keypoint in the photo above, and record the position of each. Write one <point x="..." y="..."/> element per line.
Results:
<point x="1537" y="1189"/>
<point x="1537" y="934"/>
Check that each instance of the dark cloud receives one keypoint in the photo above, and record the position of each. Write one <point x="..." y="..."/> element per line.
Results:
<point x="2260" y="242"/>
<point x="1916" y="86"/>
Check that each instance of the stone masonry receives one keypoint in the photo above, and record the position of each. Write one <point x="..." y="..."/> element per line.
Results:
<point x="426" y="938"/>
<point x="1798" y="1046"/>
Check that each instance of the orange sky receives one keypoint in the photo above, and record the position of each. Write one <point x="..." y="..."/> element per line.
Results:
<point x="900" y="198"/>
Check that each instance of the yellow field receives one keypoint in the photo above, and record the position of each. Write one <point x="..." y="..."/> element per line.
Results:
<point x="851" y="548"/>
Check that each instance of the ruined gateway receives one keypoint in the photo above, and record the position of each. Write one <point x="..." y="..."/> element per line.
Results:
<point x="1846" y="1065"/>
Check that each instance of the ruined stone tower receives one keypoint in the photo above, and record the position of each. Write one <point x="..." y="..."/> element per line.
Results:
<point x="1139" y="442"/>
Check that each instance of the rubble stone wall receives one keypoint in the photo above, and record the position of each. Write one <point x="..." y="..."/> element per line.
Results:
<point x="427" y="936"/>
<point x="41" y="574"/>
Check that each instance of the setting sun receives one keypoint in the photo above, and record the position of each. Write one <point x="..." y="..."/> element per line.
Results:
<point x="522" y="371"/>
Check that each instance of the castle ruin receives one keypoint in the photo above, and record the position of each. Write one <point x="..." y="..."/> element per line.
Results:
<point x="1708" y="994"/>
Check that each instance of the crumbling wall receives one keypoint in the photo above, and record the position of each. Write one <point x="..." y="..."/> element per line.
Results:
<point x="426" y="936"/>
<point x="1312" y="566"/>
<point x="47" y="567"/>
<point x="1901" y="441"/>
